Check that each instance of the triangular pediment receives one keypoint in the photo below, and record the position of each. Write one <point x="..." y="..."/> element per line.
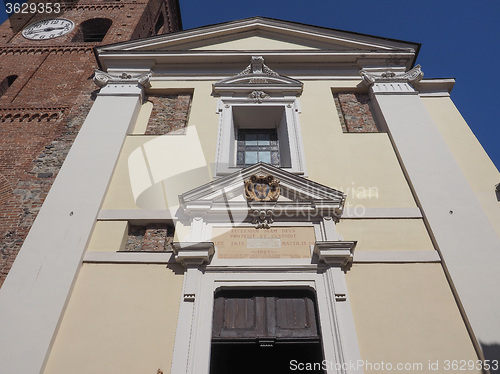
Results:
<point x="228" y="193"/>
<point x="255" y="40"/>
<point x="261" y="34"/>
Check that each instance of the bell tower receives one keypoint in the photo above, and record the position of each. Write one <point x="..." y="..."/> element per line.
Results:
<point x="46" y="91"/>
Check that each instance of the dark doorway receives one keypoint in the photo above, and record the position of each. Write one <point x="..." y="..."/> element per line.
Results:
<point x="265" y="331"/>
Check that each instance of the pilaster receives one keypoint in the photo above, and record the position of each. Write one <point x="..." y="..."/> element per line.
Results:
<point x="34" y="295"/>
<point x="453" y="214"/>
<point x="191" y="255"/>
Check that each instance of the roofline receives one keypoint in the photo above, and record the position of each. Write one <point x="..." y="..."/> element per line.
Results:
<point x="415" y="45"/>
<point x="178" y="14"/>
<point x="409" y="49"/>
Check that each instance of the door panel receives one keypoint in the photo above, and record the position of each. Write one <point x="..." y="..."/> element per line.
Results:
<point x="271" y="314"/>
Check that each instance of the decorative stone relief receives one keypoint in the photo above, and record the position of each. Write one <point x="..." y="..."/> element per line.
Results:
<point x="258" y="96"/>
<point x="257" y="66"/>
<point x="262" y="218"/>
<point x="102" y="79"/>
<point x="412" y="76"/>
<point x="262" y="188"/>
<point x="257" y="77"/>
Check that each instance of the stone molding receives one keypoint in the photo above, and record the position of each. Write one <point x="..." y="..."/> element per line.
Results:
<point x="193" y="254"/>
<point x="371" y="77"/>
<point x="335" y="253"/>
<point x="306" y="198"/>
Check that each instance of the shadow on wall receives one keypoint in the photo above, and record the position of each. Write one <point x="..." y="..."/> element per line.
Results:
<point x="492" y="353"/>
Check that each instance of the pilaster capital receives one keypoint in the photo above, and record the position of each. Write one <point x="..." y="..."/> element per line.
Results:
<point x="371" y="77"/>
<point x="193" y="254"/>
<point x="335" y="253"/>
<point x="123" y="84"/>
<point x="102" y="79"/>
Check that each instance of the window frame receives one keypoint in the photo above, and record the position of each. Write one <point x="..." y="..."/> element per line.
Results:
<point x="244" y="146"/>
<point x="226" y="153"/>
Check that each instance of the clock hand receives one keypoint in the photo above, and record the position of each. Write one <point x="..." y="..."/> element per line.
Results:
<point x="52" y="28"/>
<point x="45" y="29"/>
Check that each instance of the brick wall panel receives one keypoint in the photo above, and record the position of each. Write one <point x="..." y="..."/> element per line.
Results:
<point x="354" y="112"/>
<point x="170" y="114"/>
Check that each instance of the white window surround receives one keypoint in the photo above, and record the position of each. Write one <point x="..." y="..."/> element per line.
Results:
<point x="289" y="134"/>
<point x="260" y="88"/>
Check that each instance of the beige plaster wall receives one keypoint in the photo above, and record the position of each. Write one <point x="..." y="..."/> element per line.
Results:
<point x="474" y="162"/>
<point x="363" y="166"/>
<point x="153" y="170"/>
<point x="108" y="236"/>
<point x="255" y="43"/>
<point x="386" y="234"/>
<point x="142" y="119"/>
<point x="182" y="231"/>
<point x="120" y="319"/>
<point x="406" y="313"/>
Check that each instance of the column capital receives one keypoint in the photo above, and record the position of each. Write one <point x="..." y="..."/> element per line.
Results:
<point x="371" y="76"/>
<point x="124" y="84"/>
<point x="389" y="81"/>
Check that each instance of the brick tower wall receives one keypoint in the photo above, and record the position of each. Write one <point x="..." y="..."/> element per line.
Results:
<point x="44" y="108"/>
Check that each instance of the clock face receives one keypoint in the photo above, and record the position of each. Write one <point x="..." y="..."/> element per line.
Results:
<point x="48" y="29"/>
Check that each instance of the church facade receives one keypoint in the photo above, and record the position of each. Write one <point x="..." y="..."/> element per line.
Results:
<point x="262" y="195"/>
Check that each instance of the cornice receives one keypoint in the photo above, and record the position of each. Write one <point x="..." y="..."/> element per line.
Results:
<point x="355" y="41"/>
<point x="31" y="113"/>
<point x="40" y="49"/>
<point x="435" y="87"/>
<point x="199" y="59"/>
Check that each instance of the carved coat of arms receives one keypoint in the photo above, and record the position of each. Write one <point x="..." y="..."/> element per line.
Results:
<point x="262" y="188"/>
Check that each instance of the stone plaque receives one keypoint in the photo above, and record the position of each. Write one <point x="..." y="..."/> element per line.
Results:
<point x="276" y="242"/>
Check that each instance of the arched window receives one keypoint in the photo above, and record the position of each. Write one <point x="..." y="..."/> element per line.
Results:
<point x="6" y="83"/>
<point x="93" y="30"/>
<point x="160" y="23"/>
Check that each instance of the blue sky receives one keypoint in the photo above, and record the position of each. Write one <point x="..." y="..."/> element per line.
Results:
<point x="460" y="39"/>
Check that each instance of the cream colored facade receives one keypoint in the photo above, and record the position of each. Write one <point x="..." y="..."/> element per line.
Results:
<point x="396" y="232"/>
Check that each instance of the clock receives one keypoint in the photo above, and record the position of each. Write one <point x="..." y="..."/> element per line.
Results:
<point x="48" y="29"/>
